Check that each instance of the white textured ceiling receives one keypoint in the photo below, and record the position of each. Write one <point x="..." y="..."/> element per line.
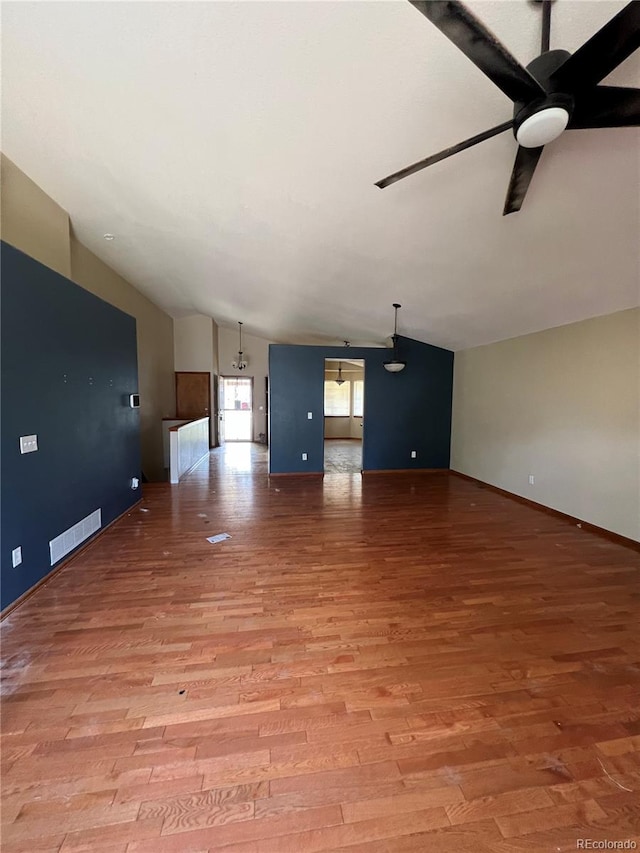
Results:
<point x="232" y="148"/>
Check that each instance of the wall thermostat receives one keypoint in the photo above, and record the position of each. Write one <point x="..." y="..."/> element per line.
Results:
<point x="134" y="401"/>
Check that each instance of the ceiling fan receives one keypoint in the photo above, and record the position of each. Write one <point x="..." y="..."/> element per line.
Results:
<point x="557" y="90"/>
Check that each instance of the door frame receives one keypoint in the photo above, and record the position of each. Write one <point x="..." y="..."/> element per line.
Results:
<point x="221" y="409"/>
<point x="351" y="416"/>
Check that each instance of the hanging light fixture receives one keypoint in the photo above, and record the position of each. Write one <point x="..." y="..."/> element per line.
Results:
<point x="395" y="365"/>
<point x="240" y="363"/>
<point x="340" y="380"/>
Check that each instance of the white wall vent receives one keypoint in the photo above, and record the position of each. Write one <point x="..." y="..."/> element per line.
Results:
<point x="71" y="538"/>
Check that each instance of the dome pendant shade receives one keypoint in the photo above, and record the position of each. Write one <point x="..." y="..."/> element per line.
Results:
<point x="395" y="365"/>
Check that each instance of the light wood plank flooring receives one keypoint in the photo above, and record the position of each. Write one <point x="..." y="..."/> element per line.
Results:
<point x="397" y="664"/>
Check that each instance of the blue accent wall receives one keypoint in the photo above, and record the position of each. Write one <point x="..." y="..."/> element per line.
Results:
<point x="405" y="411"/>
<point x="69" y="363"/>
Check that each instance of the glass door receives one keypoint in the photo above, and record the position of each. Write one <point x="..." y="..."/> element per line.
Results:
<point x="236" y="407"/>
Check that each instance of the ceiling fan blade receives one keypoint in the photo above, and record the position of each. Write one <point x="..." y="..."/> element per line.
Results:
<point x="480" y="45"/>
<point x="604" y="51"/>
<point x="523" y="169"/>
<point x="607" y="106"/>
<point x="442" y="155"/>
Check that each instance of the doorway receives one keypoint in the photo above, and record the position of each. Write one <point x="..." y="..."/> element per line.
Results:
<point x="236" y="408"/>
<point x="343" y="415"/>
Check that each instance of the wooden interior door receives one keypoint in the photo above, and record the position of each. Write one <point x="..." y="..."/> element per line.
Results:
<point x="193" y="396"/>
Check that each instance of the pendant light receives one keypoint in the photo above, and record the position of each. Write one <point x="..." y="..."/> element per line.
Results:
<point x="395" y="365"/>
<point x="240" y="363"/>
<point x="340" y="380"/>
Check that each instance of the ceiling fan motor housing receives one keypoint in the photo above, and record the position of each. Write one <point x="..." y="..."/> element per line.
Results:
<point x="543" y="68"/>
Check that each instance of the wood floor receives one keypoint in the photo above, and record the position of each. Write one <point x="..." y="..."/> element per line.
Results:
<point x="401" y="664"/>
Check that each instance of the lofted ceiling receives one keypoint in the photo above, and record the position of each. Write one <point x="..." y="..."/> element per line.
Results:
<point x="232" y="148"/>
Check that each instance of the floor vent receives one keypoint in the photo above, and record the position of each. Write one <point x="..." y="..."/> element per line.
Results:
<point x="71" y="538"/>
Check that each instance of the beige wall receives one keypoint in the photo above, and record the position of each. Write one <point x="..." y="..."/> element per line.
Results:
<point x="563" y="406"/>
<point x="195" y="343"/>
<point x="336" y="427"/>
<point x="256" y="351"/>
<point x="35" y="224"/>
<point x="31" y="221"/>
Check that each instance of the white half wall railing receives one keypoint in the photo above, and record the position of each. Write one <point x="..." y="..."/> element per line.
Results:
<point x="188" y="444"/>
<point x="167" y="424"/>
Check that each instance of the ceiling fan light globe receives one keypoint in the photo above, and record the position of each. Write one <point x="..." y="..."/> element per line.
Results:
<point x="542" y="127"/>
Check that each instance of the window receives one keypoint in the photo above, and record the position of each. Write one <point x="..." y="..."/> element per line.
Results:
<point x="336" y="399"/>
<point x="358" y="398"/>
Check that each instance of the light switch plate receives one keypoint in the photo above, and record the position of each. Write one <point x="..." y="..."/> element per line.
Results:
<point x="16" y="556"/>
<point x="28" y="443"/>
<point x="309" y="416"/>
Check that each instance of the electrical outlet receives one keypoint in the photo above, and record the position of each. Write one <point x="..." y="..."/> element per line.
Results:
<point x="532" y="480"/>
<point x="304" y="457"/>
<point x="16" y="556"/>
<point x="414" y="454"/>
<point x="28" y="443"/>
<point x="309" y="416"/>
<point x="135" y="482"/>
